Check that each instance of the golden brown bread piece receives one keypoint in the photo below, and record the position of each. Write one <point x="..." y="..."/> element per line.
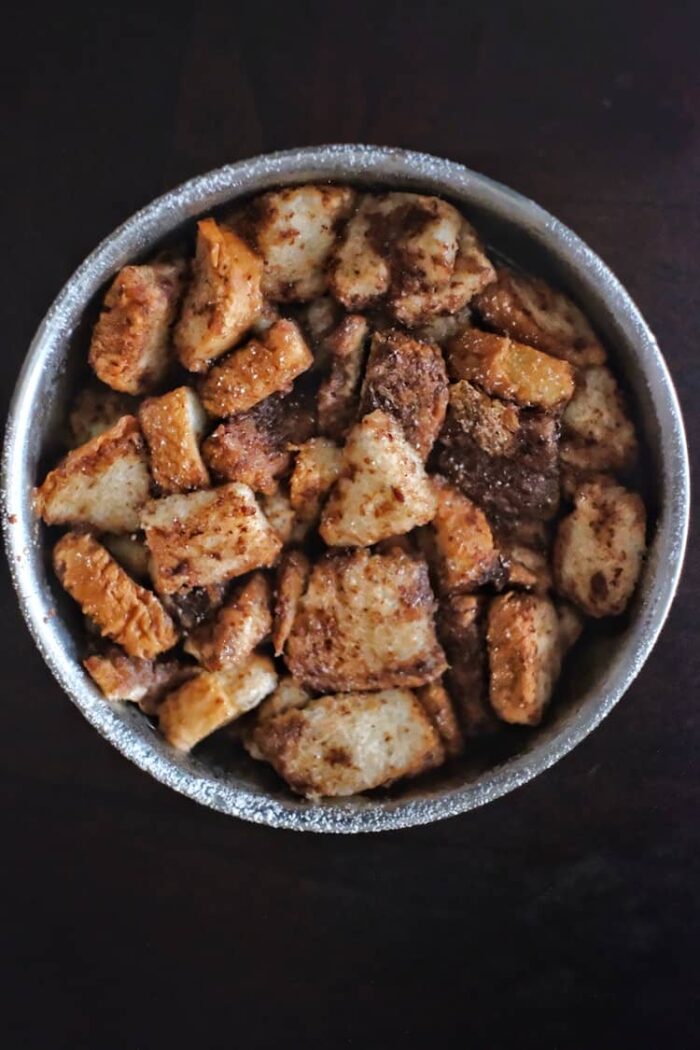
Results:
<point x="207" y="537"/>
<point x="317" y="467"/>
<point x="472" y="272"/>
<point x="339" y="393"/>
<point x="238" y="627"/>
<point x="173" y="426"/>
<point x="254" y="446"/>
<point x="503" y="457"/>
<point x="462" y="631"/>
<point x="531" y="311"/>
<point x="525" y="653"/>
<point x="212" y="699"/>
<point x="439" y="708"/>
<point x="122" y="610"/>
<point x="509" y="370"/>
<point x="406" y="378"/>
<point x="461" y="542"/>
<point x="142" y="682"/>
<point x="383" y="491"/>
<point x="340" y="745"/>
<point x="597" y="433"/>
<point x="224" y="297"/>
<point x="599" y="549"/>
<point x="255" y="371"/>
<point x="294" y="230"/>
<point x="279" y="511"/>
<point x="292" y="578"/>
<point x="104" y="483"/>
<point x="417" y="250"/>
<point x="365" y="621"/>
<point x="131" y="552"/>
<point x="130" y="347"/>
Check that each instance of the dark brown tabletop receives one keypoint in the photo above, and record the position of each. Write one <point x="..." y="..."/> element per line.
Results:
<point x="564" y="915"/>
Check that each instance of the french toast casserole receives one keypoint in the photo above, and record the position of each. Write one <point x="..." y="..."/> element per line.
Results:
<point x="345" y="482"/>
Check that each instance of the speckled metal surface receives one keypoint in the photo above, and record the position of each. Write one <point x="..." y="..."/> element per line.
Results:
<point x="600" y="676"/>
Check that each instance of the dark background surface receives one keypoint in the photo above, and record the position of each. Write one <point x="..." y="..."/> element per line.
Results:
<point x="564" y="915"/>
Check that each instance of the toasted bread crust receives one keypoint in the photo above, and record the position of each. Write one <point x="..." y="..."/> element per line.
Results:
<point x="406" y="378"/>
<point x="438" y="706"/>
<point x="123" y="611"/>
<point x="207" y="537"/>
<point x="504" y="458"/>
<point x="224" y="298"/>
<point x="339" y="745"/>
<point x="237" y="628"/>
<point x="365" y="622"/>
<point x="510" y="370"/>
<point x="254" y="447"/>
<point x="524" y="655"/>
<point x="142" y="682"/>
<point x="531" y="311"/>
<point x="104" y="483"/>
<point x="212" y="699"/>
<point x="462" y="631"/>
<point x="173" y="426"/>
<point x="465" y="553"/>
<point x="292" y="579"/>
<point x="257" y="370"/>
<point x="317" y="467"/>
<point x="129" y="350"/>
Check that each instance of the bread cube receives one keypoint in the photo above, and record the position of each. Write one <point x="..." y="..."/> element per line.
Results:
<point x="237" y="628"/>
<point x="339" y="393"/>
<point x="121" y="609"/>
<point x="570" y="625"/>
<point x="254" y="446"/>
<point x="524" y="656"/>
<point x="365" y="621"/>
<point x="513" y="371"/>
<point x="213" y="699"/>
<point x="130" y="346"/>
<point x="340" y="745"/>
<point x="463" y="544"/>
<point x="502" y="457"/>
<point x="407" y="379"/>
<point x="94" y="410"/>
<point x="359" y="274"/>
<point x="439" y="709"/>
<point x="598" y="434"/>
<point x="384" y="490"/>
<point x="294" y="230"/>
<point x="316" y="469"/>
<point x="173" y="426"/>
<point x="292" y="580"/>
<point x="142" y="682"/>
<point x="599" y="549"/>
<point x="207" y="537"/>
<point x="279" y="511"/>
<point x="462" y="631"/>
<point x="531" y="311"/>
<point x="104" y="483"/>
<point x="472" y="273"/>
<point x="223" y="300"/>
<point x="256" y="370"/>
